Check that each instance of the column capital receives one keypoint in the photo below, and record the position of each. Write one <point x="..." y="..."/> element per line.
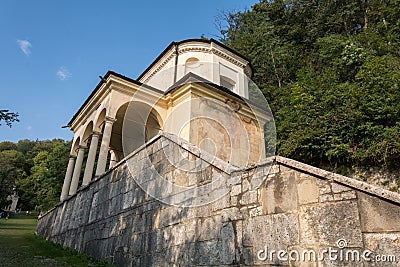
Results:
<point x="110" y="119"/>
<point x="82" y="147"/>
<point x="95" y="133"/>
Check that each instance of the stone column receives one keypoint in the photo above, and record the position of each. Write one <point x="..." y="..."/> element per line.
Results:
<point x="113" y="159"/>
<point x="87" y="177"/>
<point x="105" y="143"/>
<point x="77" y="170"/>
<point x="68" y="176"/>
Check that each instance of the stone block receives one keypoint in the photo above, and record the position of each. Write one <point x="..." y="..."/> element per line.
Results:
<point x="236" y="190"/>
<point x="326" y="198"/>
<point x="279" y="194"/>
<point x="378" y="215"/>
<point x="210" y="228"/>
<point x="137" y="245"/>
<point x="384" y="247"/>
<point x="193" y="179"/>
<point x="247" y="256"/>
<point x="338" y="188"/>
<point x="324" y="186"/>
<point x="221" y="203"/>
<point x="234" y="201"/>
<point x="231" y="214"/>
<point x="308" y="191"/>
<point x="227" y="244"/>
<point x="233" y="180"/>
<point x="178" y="234"/>
<point x="255" y="212"/>
<point x="345" y="195"/>
<point x="204" y="253"/>
<point x="250" y="197"/>
<point x="245" y="185"/>
<point x="325" y="224"/>
<point x="277" y="231"/>
<point x="127" y="200"/>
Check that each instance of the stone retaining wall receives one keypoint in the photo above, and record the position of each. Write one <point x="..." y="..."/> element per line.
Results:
<point x="297" y="207"/>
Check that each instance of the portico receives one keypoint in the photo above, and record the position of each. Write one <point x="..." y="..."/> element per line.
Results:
<point x="196" y="89"/>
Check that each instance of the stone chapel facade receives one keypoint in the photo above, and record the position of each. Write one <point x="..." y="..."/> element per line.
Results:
<point x="186" y="70"/>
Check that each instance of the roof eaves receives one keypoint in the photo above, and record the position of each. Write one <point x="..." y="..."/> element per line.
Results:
<point x="208" y="41"/>
<point x="103" y="80"/>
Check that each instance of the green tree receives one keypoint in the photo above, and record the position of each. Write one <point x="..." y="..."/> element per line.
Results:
<point x="42" y="188"/>
<point x="11" y="169"/>
<point x="35" y="169"/>
<point x="330" y="72"/>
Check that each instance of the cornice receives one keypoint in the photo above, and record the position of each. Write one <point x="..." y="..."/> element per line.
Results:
<point x="113" y="83"/>
<point x="90" y="107"/>
<point x="247" y="114"/>
<point x="157" y="68"/>
<point x="202" y="48"/>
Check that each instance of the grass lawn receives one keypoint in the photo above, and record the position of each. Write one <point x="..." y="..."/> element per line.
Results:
<point x="19" y="246"/>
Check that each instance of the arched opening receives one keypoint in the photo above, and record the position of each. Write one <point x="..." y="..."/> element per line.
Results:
<point x="86" y="140"/>
<point x="136" y="123"/>
<point x="152" y="127"/>
<point x="191" y="65"/>
<point x="100" y="121"/>
<point x="74" y="150"/>
<point x="87" y="134"/>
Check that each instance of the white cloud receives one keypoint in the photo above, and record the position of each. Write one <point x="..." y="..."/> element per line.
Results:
<point x="25" y="46"/>
<point x="63" y="73"/>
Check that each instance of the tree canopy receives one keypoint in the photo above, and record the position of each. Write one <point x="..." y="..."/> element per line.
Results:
<point x="35" y="170"/>
<point x="330" y="71"/>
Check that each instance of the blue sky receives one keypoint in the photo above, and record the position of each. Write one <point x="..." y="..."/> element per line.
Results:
<point x="52" y="52"/>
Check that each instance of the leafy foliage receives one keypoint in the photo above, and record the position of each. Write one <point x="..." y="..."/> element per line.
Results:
<point x="331" y="72"/>
<point x="8" y="117"/>
<point x="35" y="169"/>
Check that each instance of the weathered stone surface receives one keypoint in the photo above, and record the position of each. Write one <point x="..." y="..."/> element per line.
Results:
<point x="378" y="215"/>
<point x="307" y="191"/>
<point x="337" y="188"/>
<point x="255" y="212"/>
<point x="325" y="224"/>
<point x="297" y="207"/>
<point x="345" y="195"/>
<point x="210" y="228"/>
<point x="324" y="186"/>
<point x="326" y="198"/>
<point x="236" y="190"/>
<point x="385" y="249"/>
<point x="279" y="194"/>
<point x="250" y="197"/>
<point x="277" y="231"/>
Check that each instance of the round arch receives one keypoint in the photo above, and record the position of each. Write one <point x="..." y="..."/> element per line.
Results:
<point x="191" y="64"/>
<point x="75" y="146"/>
<point x="87" y="134"/>
<point x="136" y="123"/>
<point x="99" y="122"/>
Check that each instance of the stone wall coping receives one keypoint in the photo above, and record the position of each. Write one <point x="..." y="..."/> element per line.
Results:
<point x="229" y="169"/>
<point x="202" y="154"/>
<point x="353" y="183"/>
<point x="207" y="157"/>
